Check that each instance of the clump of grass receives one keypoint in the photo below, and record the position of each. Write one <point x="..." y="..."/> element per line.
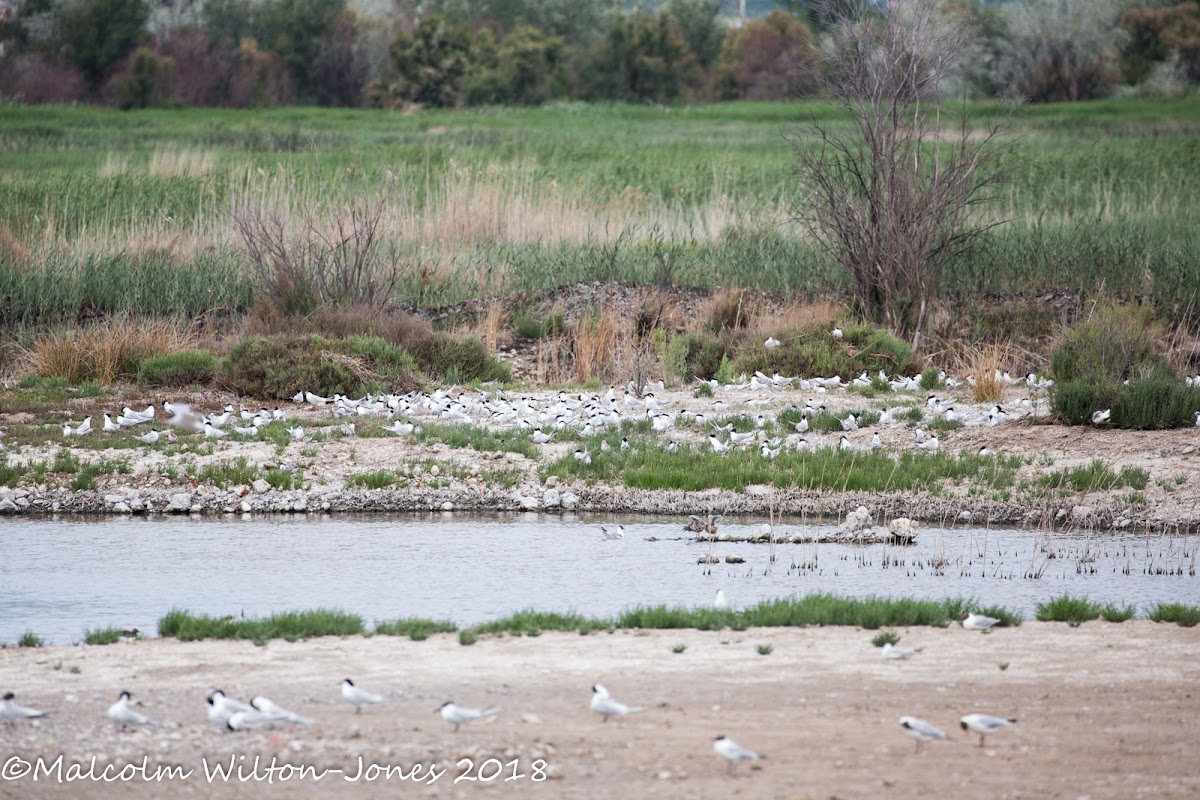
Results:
<point x="885" y="637"/>
<point x="100" y="636"/>
<point x="765" y="649"/>
<point x="1114" y="613"/>
<point x="106" y="352"/>
<point x="467" y="637"/>
<point x="481" y="439"/>
<point x="182" y="369"/>
<point x="376" y="479"/>
<point x="1071" y="610"/>
<point x="703" y="390"/>
<point x="931" y="378"/>
<point x="678" y="648"/>
<point x="30" y="639"/>
<point x="1182" y="615"/>
<point x="415" y="628"/>
<point x="1008" y="619"/>
<point x="284" y="479"/>
<point x="1159" y="401"/>
<point x="526" y="326"/>
<point x="533" y="623"/>
<point x="1095" y="477"/>
<point x="292" y="626"/>
<point x="226" y="474"/>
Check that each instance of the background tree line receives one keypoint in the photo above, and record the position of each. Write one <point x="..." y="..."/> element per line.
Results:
<point x="249" y="53"/>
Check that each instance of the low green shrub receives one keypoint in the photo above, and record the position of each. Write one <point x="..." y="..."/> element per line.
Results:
<point x="1114" y="344"/>
<point x="181" y="369"/>
<point x="812" y="351"/>
<point x="1160" y="401"/>
<point x="1182" y="615"/>
<point x="279" y="366"/>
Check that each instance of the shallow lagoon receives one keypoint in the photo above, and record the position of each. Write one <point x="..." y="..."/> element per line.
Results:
<point x="61" y="576"/>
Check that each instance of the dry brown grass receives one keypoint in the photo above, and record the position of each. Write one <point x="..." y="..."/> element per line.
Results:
<point x="726" y="309"/>
<point x="12" y="248"/>
<point x="802" y="315"/>
<point x="595" y="340"/>
<point x="108" y="351"/>
<point x="493" y="325"/>
<point x="983" y="364"/>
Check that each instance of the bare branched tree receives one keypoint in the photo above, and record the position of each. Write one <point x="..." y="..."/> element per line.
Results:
<point x="308" y="259"/>
<point x="892" y="196"/>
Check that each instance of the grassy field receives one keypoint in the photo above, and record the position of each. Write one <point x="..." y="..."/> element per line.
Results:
<point x="104" y="211"/>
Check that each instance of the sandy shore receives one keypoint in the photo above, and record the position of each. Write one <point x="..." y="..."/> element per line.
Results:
<point x="1105" y="711"/>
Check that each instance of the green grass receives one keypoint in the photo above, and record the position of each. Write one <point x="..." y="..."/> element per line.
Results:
<point x="885" y="637"/>
<point x="291" y="626"/>
<point x="182" y="369"/>
<point x="1183" y="615"/>
<point x="415" y="628"/>
<point x="765" y="649"/>
<point x="102" y="636"/>
<point x="225" y="474"/>
<point x="1103" y="194"/>
<point x="30" y="639"/>
<point x="1095" y="477"/>
<point x="678" y="649"/>
<point x="1068" y="609"/>
<point x="477" y="438"/>
<point x="650" y="466"/>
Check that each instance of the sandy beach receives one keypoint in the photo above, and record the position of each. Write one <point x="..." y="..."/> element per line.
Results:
<point x="1103" y="710"/>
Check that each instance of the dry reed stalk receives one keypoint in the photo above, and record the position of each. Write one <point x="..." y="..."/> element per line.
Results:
<point x="596" y="343"/>
<point x="108" y="351"/>
<point x="493" y="324"/>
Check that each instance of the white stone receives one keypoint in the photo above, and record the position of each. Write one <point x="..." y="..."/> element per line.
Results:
<point x="569" y="500"/>
<point x="551" y="498"/>
<point x="180" y="502"/>
<point x="261" y="486"/>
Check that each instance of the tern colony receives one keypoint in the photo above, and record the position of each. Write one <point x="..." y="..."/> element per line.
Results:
<point x="590" y="415"/>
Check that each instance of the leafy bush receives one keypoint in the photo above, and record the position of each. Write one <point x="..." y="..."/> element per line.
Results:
<point x="279" y="366"/>
<point x="185" y="368"/>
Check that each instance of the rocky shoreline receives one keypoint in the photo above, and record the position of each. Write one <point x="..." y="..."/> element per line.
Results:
<point x="760" y="502"/>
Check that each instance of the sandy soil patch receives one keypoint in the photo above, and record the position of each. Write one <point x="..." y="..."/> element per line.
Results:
<point x="1105" y="711"/>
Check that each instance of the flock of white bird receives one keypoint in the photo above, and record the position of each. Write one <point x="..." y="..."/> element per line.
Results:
<point x="180" y="416"/>
<point x="260" y="712"/>
<point x="588" y="415"/>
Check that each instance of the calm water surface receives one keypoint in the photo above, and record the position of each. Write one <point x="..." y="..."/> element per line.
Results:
<point x="61" y="576"/>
